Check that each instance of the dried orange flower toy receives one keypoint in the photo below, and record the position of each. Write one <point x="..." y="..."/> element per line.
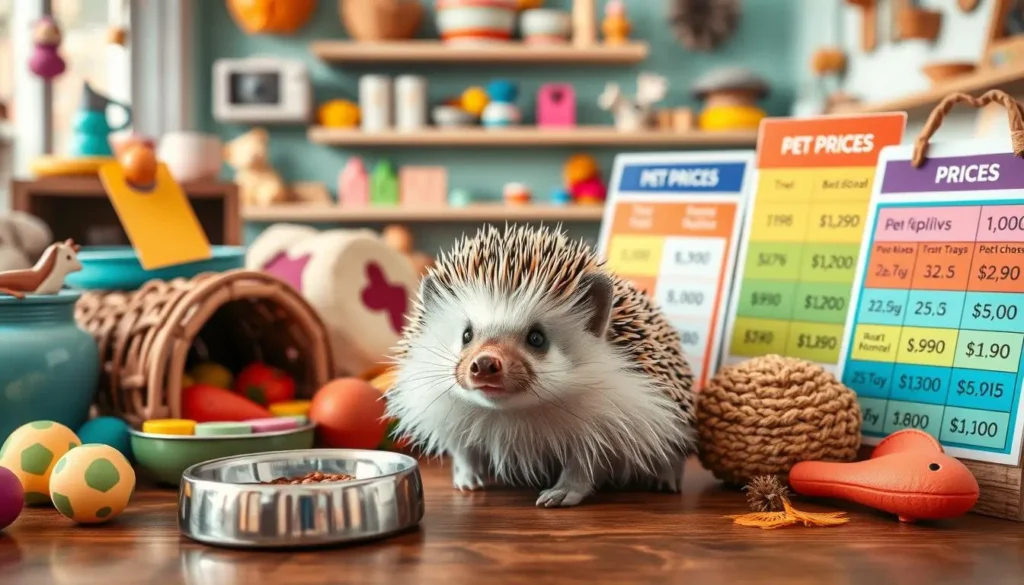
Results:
<point x="769" y="500"/>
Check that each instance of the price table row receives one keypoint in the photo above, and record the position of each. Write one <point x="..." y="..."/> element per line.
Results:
<point x="676" y="218"/>
<point x="825" y="221"/>
<point x="953" y="426"/>
<point x="958" y="266"/>
<point x="841" y="184"/>
<point x="816" y="342"/>
<point x="962" y="387"/>
<point x="685" y="297"/>
<point x="953" y="223"/>
<point x="696" y="257"/>
<point x="927" y="308"/>
<point x="924" y="346"/>
<point x="810" y="301"/>
<point x="789" y="261"/>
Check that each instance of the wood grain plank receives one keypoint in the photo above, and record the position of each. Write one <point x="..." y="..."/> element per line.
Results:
<point x="499" y="538"/>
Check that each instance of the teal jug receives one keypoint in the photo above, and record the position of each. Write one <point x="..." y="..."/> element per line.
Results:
<point x="92" y="130"/>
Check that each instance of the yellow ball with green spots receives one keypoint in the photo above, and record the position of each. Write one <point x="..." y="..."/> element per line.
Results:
<point x="32" y="451"/>
<point x="92" y="484"/>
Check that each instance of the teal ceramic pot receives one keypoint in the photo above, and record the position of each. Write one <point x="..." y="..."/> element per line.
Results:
<point x="49" y="368"/>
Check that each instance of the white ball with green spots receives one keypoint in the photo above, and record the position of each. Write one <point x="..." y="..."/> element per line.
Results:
<point x="32" y="451"/>
<point x="92" y="484"/>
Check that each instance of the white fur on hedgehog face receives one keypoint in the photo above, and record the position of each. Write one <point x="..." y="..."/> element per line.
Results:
<point x="507" y="319"/>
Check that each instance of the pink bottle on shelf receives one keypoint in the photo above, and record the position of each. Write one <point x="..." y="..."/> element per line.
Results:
<point x="556" y="105"/>
<point x="354" y="184"/>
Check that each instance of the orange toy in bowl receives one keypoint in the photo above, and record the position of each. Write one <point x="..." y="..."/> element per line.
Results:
<point x="908" y="475"/>
<point x="349" y="414"/>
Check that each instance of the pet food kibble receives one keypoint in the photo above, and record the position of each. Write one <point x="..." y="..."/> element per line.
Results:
<point x="218" y="429"/>
<point x="169" y="426"/>
<point x="311" y="477"/>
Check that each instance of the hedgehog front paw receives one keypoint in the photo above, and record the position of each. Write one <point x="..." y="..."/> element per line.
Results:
<point x="468" y="479"/>
<point x="670" y="478"/>
<point x="564" y="496"/>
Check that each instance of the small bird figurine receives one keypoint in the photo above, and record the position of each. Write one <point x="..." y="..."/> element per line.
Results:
<point x="46" y="61"/>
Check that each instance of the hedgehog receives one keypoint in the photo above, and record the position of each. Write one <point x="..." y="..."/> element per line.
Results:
<point x="527" y="363"/>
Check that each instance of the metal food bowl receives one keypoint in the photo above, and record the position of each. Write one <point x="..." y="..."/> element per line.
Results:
<point x="223" y="502"/>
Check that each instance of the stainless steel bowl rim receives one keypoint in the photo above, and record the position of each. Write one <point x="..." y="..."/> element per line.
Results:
<point x="137" y="433"/>
<point x="190" y="472"/>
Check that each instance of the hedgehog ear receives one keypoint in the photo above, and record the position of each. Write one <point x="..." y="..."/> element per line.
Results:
<point x="598" y="296"/>
<point x="430" y="291"/>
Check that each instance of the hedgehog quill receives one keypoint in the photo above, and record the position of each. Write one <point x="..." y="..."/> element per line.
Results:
<point x="528" y="364"/>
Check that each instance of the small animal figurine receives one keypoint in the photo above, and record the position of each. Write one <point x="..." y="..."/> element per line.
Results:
<point x="502" y="110"/>
<point x="258" y="183"/>
<point x="45" y="60"/>
<point x="47" y="276"/>
<point x="908" y="475"/>
<point x="530" y="365"/>
<point x="616" y="25"/>
<point x="636" y="114"/>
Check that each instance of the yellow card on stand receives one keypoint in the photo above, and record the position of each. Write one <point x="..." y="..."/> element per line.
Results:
<point x="160" y="222"/>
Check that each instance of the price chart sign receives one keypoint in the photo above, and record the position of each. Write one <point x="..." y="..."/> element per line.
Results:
<point x="935" y="341"/>
<point x="671" y="226"/>
<point x="803" y="235"/>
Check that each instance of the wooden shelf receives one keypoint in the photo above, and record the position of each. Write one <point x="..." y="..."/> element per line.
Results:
<point x="530" y="136"/>
<point x="470" y="213"/>
<point x="432" y="52"/>
<point x="1008" y="79"/>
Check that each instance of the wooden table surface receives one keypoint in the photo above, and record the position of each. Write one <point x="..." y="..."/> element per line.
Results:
<point x="499" y="537"/>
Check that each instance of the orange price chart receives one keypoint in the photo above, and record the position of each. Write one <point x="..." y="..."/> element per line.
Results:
<point x="936" y="336"/>
<point x="671" y="227"/>
<point x="803" y="234"/>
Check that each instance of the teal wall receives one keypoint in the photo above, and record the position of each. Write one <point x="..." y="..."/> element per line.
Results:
<point x="764" y="43"/>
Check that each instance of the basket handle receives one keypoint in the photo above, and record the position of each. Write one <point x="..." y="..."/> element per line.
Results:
<point x="1013" y="111"/>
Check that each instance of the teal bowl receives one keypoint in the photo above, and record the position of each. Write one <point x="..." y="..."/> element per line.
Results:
<point x="166" y="457"/>
<point x="118" y="267"/>
<point x="49" y="367"/>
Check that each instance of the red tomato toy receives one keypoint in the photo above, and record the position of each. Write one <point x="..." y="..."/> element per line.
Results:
<point x="205" y="403"/>
<point x="349" y="414"/>
<point x="264" y="384"/>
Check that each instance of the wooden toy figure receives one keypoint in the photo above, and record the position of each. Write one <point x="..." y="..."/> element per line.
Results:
<point x="46" y="61"/>
<point x="47" y="276"/>
<point x="616" y="26"/>
<point x="384" y="184"/>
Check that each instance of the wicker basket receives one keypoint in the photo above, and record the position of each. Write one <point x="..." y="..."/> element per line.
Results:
<point x="147" y="338"/>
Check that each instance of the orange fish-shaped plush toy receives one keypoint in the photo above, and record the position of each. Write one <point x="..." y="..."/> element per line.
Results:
<point x="908" y="475"/>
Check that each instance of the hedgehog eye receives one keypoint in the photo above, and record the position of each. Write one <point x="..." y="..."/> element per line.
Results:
<point x="467" y="335"/>
<point x="536" y="339"/>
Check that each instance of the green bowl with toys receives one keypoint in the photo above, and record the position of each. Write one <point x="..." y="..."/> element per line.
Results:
<point x="167" y="447"/>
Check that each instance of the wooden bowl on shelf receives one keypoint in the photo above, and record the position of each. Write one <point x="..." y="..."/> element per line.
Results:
<point x="943" y="71"/>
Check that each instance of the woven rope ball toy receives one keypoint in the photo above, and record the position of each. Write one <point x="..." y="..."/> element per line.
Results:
<point x="766" y="414"/>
